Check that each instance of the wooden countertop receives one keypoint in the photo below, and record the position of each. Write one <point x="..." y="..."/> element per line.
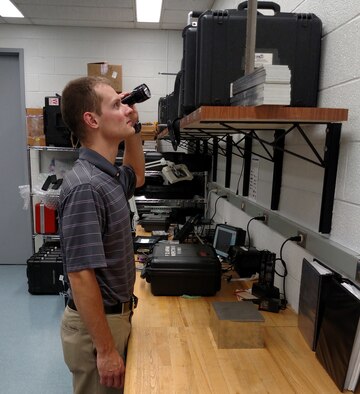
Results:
<point x="172" y="350"/>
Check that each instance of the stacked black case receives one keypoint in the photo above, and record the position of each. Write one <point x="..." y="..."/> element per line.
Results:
<point x="44" y="269"/>
<point x="292" y="39"/>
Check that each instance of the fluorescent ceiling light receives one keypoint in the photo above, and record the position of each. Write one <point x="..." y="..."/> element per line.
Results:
<point x="8" y="10"/>
<point x="148" y="10"/>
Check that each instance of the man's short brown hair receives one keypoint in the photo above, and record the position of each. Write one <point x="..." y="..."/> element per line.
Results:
<point x="79" y="96"/>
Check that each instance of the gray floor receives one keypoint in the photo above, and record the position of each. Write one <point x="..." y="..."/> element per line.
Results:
<point x="31" y="359"/>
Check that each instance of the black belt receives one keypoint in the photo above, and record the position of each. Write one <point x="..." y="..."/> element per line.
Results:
<point x="120" y="307"/>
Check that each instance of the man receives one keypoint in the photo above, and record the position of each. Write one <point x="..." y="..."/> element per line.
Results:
<point x="95" y="234"/>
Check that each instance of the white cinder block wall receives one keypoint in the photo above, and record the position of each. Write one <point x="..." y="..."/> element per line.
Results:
<point x="55" y="55"/>
<point x="302" y="182"/>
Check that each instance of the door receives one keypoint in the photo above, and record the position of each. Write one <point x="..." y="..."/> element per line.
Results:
<point x="15" y="222"/>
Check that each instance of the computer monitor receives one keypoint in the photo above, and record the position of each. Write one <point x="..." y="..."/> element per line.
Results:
<point x="226" y="236"/>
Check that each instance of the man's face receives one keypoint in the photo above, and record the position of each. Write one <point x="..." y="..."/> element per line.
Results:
<point x="115" y="123"/>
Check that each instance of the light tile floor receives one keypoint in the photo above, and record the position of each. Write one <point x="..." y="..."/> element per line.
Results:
<point x="31" y="360"/>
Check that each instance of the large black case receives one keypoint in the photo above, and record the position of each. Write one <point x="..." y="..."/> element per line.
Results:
<point x="44" y="269"/>
<point x="180" y="269"/>
<point x="290" y="39"/>
<point x="188" y="67"/>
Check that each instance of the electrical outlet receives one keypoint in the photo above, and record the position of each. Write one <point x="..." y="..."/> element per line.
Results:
<point x="265" y="221"/>
<point x="303" y="236"/>
<point x="242" y="206"/>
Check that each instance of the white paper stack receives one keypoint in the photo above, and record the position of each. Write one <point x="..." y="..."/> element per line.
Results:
<point x="268" y="84"/>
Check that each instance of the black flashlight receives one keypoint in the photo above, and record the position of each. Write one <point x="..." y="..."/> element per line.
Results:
<point x="138" y="95"/>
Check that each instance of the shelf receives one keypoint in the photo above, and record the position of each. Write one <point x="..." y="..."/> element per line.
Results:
<point x="261" y="117"/>
<point x="213" y="124"/>
<point x="53" y="148"/>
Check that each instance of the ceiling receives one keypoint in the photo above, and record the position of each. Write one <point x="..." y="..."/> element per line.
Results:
<point x="103" y="13"/>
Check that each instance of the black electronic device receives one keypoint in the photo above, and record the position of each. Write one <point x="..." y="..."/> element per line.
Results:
<point x="246" y="261"/>
<point x="226" y="236"/>
<point x="187" y="228"/>
<point x="140" y="94"/>
<point x="153" y="222"/>
<point x="142" y="243"/>
<point x="265" y="288"/>
<point x="55" y="130"/>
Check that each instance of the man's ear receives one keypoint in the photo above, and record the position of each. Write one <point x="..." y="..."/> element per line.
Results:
<point x="90" y="119"/>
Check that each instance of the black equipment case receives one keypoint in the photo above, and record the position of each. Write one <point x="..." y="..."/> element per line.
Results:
<point x="188" y="67"/>
<point x="284" y="38"/>
<point x="179" y="269"/>
<point x="55" y="130"/>
<point x="44" y="270"/>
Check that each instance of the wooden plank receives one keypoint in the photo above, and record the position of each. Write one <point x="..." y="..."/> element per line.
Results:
<point x="263" y="113"/>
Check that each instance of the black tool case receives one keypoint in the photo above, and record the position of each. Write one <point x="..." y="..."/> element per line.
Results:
<point x="283" y="38"/>
<point x="183" y="269"/>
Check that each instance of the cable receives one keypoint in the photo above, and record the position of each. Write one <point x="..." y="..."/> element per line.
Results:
<point x="212" y="217"/>
<point x="208" y="200"/>
<point x="296" y="238"/>
<point x="262" y="218"/>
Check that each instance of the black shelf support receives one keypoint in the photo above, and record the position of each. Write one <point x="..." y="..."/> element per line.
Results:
<point x="215" y="158"/>
<point x="278" y="158"/>
<point x="331" y="158"/>
<point x="229" y="144"/>
<point x="247" y="164"/>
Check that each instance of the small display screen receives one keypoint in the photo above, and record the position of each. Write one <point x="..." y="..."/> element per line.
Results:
<point x="225" y="236"/>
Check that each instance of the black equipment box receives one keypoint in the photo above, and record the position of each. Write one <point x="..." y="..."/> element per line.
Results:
<point x="44" y="270"/>
<point x="283" y="38"/>
<point x="155" y="222"/>
<point x="246" y="260"/>
<point x="178" y="269"/>
<point x="56" y="132"/>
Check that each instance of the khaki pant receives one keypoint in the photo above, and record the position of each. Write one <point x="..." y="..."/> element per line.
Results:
<point x="79" y="351"/>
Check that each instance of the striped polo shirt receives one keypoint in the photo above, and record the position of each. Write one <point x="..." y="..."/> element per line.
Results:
<point x="94" y="224"/>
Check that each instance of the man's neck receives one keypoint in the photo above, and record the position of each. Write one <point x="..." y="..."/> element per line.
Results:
<point x="108" y="151"/>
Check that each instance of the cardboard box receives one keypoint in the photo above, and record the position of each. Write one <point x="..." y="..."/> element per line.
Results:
<point x="34" y="122"/>
<point x="111" y="71"/>
<point x="148" y="131"/>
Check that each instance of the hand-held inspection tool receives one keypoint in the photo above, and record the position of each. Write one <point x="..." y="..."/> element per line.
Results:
<point x="140" y="94"/>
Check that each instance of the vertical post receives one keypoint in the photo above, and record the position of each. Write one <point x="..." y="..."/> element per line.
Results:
<point x="247" y="164"/>
<point x="215" y="158"/>
<point x="205" y="147"/>
<point x="250" y="36"/>
<point x="331" y="158"/>
<point x="229" y="143"/>
<point x="278" y="158"/>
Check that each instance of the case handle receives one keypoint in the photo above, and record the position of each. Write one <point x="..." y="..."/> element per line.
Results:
<point x="262" y="5"/>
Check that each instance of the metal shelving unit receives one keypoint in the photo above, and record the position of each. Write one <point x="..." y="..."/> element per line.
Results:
<point x="42" y="149"/>
<point x="214" y="124"/>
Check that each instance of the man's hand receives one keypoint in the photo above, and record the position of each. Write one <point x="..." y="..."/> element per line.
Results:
<point x="111" y="369"/>
<point x="134" y="116"/>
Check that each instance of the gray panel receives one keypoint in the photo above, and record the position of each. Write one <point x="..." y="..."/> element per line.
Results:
<point x="15" y="223"/>
<point x="334" y="255"/>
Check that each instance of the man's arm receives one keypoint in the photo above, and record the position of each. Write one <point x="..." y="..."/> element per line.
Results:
<point x="89" y="303"/>
<point x="134" y="156"/>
